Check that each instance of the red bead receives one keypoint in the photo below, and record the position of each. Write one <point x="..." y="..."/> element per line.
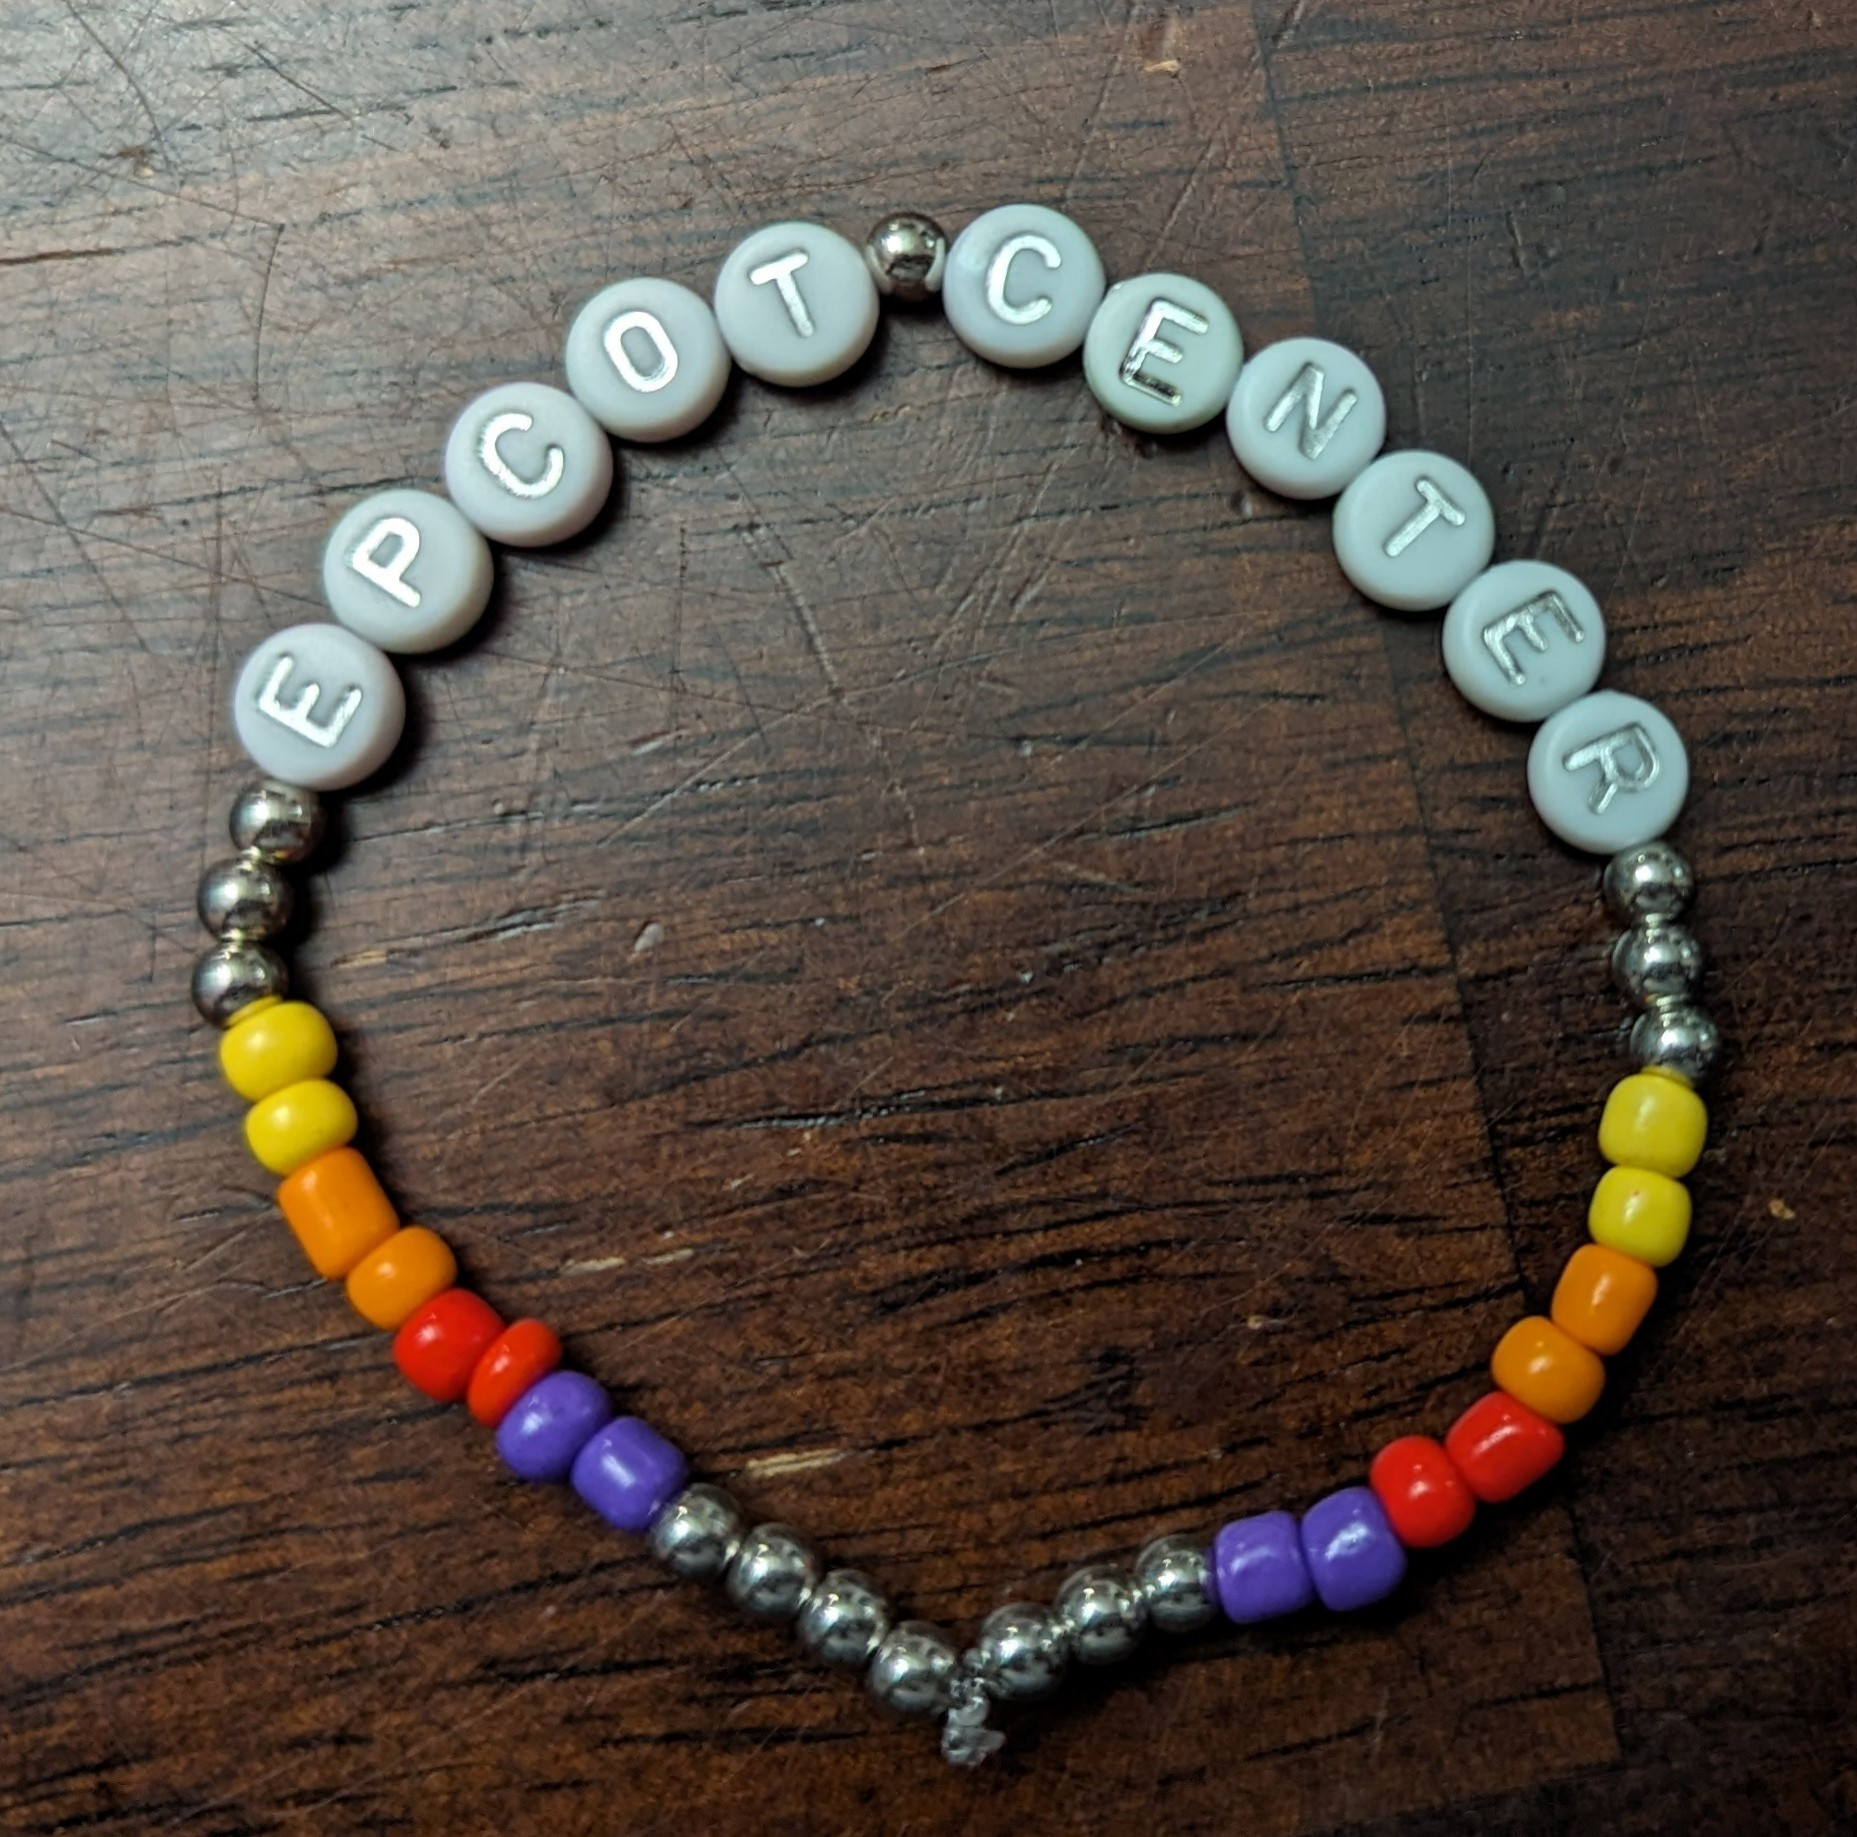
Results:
<point x="1501" y="1447"/>
<point x="439" y="1344"/>
<point x="1424" y="1496"/>
<point x="524" y="1354"/>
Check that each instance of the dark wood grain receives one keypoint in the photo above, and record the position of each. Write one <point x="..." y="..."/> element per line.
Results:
<point x="980" y="987"/>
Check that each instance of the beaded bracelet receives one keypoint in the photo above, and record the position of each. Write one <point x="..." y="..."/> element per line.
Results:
<point x="319" y="707"/>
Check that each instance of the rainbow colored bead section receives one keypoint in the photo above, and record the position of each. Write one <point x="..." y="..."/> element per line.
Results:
<point x="1349" y="1549"/>
<point x="1345" y="1553"/>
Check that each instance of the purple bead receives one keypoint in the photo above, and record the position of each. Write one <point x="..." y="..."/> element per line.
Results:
<point x="549" y="1424"/>
<point x="1353" y="1553"/>
<point x="1258" y="1568"/>
<point x="628" y="1472"/>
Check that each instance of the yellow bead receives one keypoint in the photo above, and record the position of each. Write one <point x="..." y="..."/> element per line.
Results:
<point x="1643" y="1214"/>
<point x="1547" y="1370"/>
<point x="1653" y="1121"/>
<point x="273" y="1044"/>
<point x="401" y="1276"/>
<point x="298" y="1123"/>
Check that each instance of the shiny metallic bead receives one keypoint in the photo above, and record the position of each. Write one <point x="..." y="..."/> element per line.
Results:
<point x="907" y="253"/>
<point x="233" y="975"/>
<point x="913" y="1669"/>
<point x="697" y="1534"/>
<point x="1175" y="1575"/>
<point x="1103" y="1613"/>
<point x="844" y="1619"/>
<point x="245" y="897"/>
<point x="281" y="823"/>
<point x="1676" y="1036"/>
<point x="1021" y="1652"/>
<point x="773" y="1572"/>
<point x="1651" y="881"/>
<point x="1656" y="961"/>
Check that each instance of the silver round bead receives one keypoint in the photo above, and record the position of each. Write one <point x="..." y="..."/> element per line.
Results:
<point x="907" y="254"/>
<point x="281" y="823"/>
<point x="245" y="897"/>
<point x="1656" y="961"/>
<point x="1676" y="1036"/>
<point x="1103" y="1613"/>
<point x="1651" y="881"/>
<point x="1021" y="1652"/>
<point x="233" y="975"/>
<point x="1175" y="1575"/>
<point x="844" y="1619"/>
<point x="773" y="1572"/>
<point x="697" y="1534"/>
<point x="913" y="1669"/>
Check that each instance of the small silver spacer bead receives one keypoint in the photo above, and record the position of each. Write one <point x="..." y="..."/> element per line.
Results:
<point x="1651" y="881"/>
<point x="1675" y="1036"/>
<point x="844" y="1620"/>
<point x="772" y="1573"/>
<point x="1175" y="1575"/>
<point x="245" y="897"/>
<point x="1103" y="1614"/>
<point x="1021" y="1652"/>
<point x="234" y="974"/>
<point x="913" y="1669"/>
<point x="907" y="254"/>
<point x="281" y="823"/>
<point x="1656" y="960"/>
<point x="697" y="1534"/>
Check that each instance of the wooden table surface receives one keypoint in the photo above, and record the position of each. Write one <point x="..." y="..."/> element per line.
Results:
<point x="981" y="988"/>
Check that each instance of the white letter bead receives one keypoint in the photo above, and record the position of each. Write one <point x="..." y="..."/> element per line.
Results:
<point x="1413" y="530"/>
<point x="1607" y="773"/>
<point x="407" y="571"/>
<point x="319" y="707"/>
<point x="1524" y="639"/>
<point x="796" y="304"/>
<point x="1022" y="286"/>
<point x="1307" y="416"/>
<point x="646" y="359"/>
<point x="1162" y="353"/>
<point x="528" y="465"/>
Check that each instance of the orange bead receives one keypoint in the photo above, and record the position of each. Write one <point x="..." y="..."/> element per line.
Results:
<point x="522" y="1354"/>
<point x="1602" y="1297"/>
<point x="403" y="1274"/>
<point x="338" y="1211"/>
<point x="1548" y="1370"/>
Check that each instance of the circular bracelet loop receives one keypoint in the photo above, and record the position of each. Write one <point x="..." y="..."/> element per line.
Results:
<point x="320" y="707"/>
